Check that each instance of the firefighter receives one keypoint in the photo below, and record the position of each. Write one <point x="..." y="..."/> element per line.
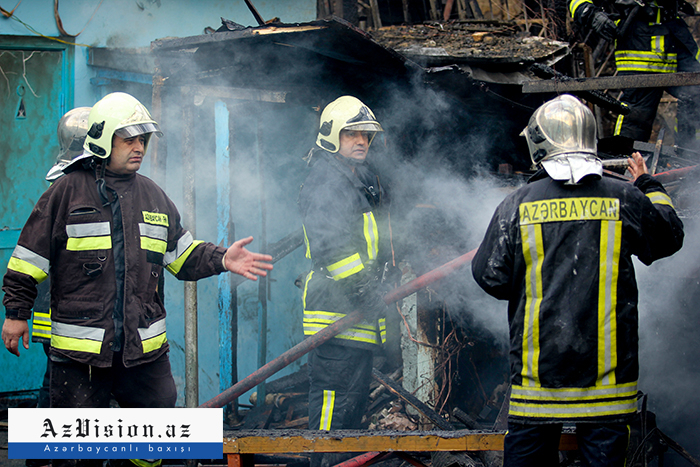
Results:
<point x="105" y="233"/>
<point x="342" y="203"/>
<point x="71" y="131"/>
<point x="560" y="251"/>
<point x="656" y="40"/>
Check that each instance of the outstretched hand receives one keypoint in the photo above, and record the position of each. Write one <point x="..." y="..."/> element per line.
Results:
<point x="637" y="166"/>
<point x="248" y="264"/>
<point x="14" y="330"/>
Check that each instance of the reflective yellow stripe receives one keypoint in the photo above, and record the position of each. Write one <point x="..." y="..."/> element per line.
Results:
<point x="154" y="343"/>
<point x="568" y="411"/>
<point x="533" y="251"/>
<point x="646" y="61"/>
<point x="76" y="338"/>
<point x="41" y="325"/>
<point x="25" y="261"/>
<point x="327" y="410"/>
<point x="346" y="267"/>
<point x="174" y="260"/>
<point x="575" y="4"/>
<point x="306" y="243"/>
<point x="89" y="243"/>
<point x="21" y="266"/>
<point x="658" y="197"/>
<point x="78" y="345"/>
<point x="610" y="241"/>
<point x="153" y="337"/>
<point x="575" y="394"/>
<point x="314" y="321"/>
<point x="371" y="233"/>
<point x="618" y="124"/>
<point x="151" y="244"/>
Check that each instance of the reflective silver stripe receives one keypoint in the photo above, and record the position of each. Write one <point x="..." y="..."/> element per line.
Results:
<point x="153" y="330"/>
<point x="327" y="410"/>
<point x="182" y="245"/>
<point x="346" y="267"/>
<point x="596" y="409"/>
<point x="154" y="231"/>
<point x="93" y="229"/>
<point x="78" y="332"/>
<point x="567" y="394"/>
<point x="32" y="258"/>
<point x="658" y="197"/>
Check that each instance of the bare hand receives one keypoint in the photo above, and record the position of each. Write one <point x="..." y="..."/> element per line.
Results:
<point x="241" y="261"/>
<point x="12" y="331"/>
<point x="637" y="165"/>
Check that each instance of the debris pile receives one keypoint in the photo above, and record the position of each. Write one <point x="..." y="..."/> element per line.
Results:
<point x="481" y="40"/>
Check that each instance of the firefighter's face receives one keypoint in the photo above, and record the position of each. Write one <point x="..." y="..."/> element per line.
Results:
<point x="127" y="154"/>
<point x="354" y="144"/>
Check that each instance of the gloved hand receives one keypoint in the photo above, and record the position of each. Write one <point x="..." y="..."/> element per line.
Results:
<point x="604" y="26"/>
<point x="368" y="297"/>
<point x="686" y="8"/>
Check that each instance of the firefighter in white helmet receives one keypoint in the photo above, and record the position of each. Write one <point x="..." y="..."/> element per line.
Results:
<point x="106" y="245"/>
<point x="560" y="251"/>
<point x="342" y="206"/>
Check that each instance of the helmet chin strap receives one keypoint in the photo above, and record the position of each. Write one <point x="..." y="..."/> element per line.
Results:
<point x="100" y="169"/>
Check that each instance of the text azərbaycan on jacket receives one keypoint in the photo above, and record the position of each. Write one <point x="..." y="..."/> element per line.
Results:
<point x="344" y="239"/>
<point x="562" y="257"/>
<point x="71" y="235"/>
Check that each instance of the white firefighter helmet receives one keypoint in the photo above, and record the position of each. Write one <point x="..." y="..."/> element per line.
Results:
<point x="345" y="113"/>
<point x="121" y="114"/>
<point x="72" y="128"/>
<point x="561" y="136"/>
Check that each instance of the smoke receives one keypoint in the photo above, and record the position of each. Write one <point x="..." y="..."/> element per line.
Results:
<point x="669" y="347"/>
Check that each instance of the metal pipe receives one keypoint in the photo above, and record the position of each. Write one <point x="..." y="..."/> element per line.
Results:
<point x="189" y="221"/>
<point x="331" y="331"/>
<point x="291" y="355"/>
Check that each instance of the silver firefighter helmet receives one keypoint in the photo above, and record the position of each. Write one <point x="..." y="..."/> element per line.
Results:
<point x="561" y="136"/>
<point x="72" y="128"/>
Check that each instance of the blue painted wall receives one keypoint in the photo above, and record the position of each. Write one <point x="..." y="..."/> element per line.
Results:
<point x="133" y="24"/>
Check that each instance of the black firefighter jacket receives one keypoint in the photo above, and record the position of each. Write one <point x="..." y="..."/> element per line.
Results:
<point x="344" y="238"/>
<point x="72" y="235"/>
<point x="562" y="257"/>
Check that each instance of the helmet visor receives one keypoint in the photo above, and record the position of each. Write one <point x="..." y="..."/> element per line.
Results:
<point x="138" y="129"/>
<point x="364" y="126"/>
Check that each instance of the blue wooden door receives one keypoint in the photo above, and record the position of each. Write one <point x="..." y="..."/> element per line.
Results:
<point x="35" y="90"/>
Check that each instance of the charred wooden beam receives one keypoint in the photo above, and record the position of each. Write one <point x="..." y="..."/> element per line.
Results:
<point x="593" y="96"/>
<point x="417" y="404"/>
<point x="652" y="80"/>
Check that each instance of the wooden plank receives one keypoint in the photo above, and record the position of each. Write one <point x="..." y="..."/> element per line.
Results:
<point x="268" y="442"/>
<point x="651" y="80"/>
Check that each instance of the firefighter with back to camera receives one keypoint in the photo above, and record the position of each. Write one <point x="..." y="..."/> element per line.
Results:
<point x="655" y="40"/>
<point x="560" y="251"/>
<point x="343" y="206"/>
<point x="105" y="234"/>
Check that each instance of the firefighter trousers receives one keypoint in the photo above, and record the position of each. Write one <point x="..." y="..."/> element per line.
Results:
<point x="600" y="444"/>
<point x="339" y="378"/>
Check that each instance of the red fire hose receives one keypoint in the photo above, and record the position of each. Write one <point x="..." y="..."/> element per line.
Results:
<point x="329" y="332"/>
